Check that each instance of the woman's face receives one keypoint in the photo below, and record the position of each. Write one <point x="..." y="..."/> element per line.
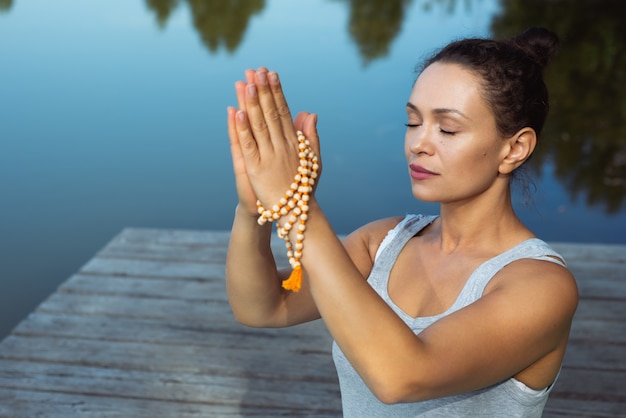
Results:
<point x="452" y="145"/>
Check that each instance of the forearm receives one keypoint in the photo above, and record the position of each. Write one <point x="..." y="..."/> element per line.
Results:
<point x="252" y="279"/>
<point x="362" y="324"/>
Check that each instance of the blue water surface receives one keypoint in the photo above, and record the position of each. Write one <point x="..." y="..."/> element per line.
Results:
<point x="110" y="119"/>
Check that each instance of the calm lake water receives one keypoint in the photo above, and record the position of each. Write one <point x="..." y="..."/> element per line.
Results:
<point x="113" y="115"/>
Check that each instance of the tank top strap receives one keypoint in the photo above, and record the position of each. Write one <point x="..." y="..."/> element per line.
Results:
<point x="532" y="248"/>
<point x="391" y="246"/>
<point x="397" y="238"/>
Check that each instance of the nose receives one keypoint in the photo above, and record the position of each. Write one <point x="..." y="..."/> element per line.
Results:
<point x="417" y="140"/>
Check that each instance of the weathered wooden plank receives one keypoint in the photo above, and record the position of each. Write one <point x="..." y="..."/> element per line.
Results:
<point x="598" y="331"/>
<point x="153" y="251"/>
<point x="592" y="355"/>
<point x="583" y="252"/>
<point x="184" y="310"/>
<point x="195" y="388"/>
<point x="209" y="247"/>
<point x="593" y="385"/>
<point x="35" y="404"/>
<point x="179" y="237"/>
<point x="600" y="279"/>
<point x="226" y="334"/>
<point x="210" y="359"/>
<point x="16" y="403"/>
<point x="582" y="408"/>
<point x="140" y="287"/>
<point x="603" y="288"/>
<point x="152" y="268"/>
<point x="606" y="309"/>
<point x="183" y="237"/>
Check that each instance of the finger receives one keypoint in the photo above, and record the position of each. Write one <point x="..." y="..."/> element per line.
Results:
<point x="235" y="148"/>
<point x="241" y="135"/>
<point x="245" y="193"/>
<point x="298" y="122"/>
<point x="309" y="129"/>
<point x="256" y="119"/>
<point x="240" y="91"/>
<point x="230" y="121"/>
<point x="270" y="112"/>
<point x="280" y="101"/>
<point x="307" y="123"/>
<point x="249" y="74"/>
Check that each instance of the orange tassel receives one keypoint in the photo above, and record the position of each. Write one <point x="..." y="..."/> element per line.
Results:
<point x="294" y="281"/>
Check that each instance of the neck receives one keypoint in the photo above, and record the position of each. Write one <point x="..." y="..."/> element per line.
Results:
<point x="489" y="225"/>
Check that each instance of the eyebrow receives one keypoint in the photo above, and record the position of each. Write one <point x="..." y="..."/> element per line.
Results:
<point x="439" y="111"/>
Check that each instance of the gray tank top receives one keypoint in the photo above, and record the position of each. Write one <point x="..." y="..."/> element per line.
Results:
<point x="510" y="398"/>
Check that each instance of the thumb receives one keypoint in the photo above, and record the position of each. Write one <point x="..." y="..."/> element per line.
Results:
<point x="310" y="131"/>
<point x="307" y="123"/>
<point x="309" y="127"/>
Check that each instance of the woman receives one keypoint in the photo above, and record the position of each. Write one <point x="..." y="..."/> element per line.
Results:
<point x="462" y="314"/>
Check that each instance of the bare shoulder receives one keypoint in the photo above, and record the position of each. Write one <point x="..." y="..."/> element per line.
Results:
<point x="363" y="243"/>
<point x="545" y="283"/>
<point x="525" y="315"/>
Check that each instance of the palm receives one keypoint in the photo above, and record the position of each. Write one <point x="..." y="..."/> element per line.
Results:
<point x="245" y="192"/>
<point x="263" y="141"/>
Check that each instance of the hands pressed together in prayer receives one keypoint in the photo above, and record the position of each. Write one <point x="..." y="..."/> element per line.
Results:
<point x="263" y="140"/>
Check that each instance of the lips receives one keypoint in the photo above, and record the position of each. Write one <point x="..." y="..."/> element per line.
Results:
<point x="420" y="173"/>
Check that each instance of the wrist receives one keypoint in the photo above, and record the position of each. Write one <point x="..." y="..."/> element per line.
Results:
<point x="248" y="218"/>
<point x="291" y="212"/>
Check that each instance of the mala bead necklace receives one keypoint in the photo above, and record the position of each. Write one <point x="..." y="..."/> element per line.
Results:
<point x="295" y="206"/>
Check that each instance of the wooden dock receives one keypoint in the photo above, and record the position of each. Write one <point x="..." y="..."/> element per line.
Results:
<point x="144" y="330"/>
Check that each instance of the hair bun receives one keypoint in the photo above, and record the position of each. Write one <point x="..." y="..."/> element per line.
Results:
<point x="539" y="43"/>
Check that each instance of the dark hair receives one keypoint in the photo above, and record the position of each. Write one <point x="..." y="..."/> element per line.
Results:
<point x="512" y="75"/>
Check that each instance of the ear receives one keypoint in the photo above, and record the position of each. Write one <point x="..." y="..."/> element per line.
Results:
<point x="518" y="149"/>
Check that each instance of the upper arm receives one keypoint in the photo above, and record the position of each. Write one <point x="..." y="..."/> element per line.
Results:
<point x="523" y="319"/>
<point x="363" y="243"/>
<point x="361" y="246"/>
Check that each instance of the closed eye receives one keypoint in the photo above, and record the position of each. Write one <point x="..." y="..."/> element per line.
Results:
<point x="412" y="125"/>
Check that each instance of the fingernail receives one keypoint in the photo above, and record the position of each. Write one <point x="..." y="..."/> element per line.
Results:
<point x="251" y="89"/>
<point x="241" y="115"/>
<point x="262" y="77"/>
<point x="273" y="76"/>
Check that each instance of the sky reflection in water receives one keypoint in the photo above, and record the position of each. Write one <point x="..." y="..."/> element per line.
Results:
<point x="111" y="120"/>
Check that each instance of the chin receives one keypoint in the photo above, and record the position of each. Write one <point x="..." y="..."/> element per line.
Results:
<point x="427" y="197"/>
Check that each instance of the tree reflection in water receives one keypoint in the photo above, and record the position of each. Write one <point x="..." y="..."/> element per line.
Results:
<point x="585" y="135"/>
<point x="374" y="24"/>
<point x="5" y="5"/>
<point x="219" y="22"/>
